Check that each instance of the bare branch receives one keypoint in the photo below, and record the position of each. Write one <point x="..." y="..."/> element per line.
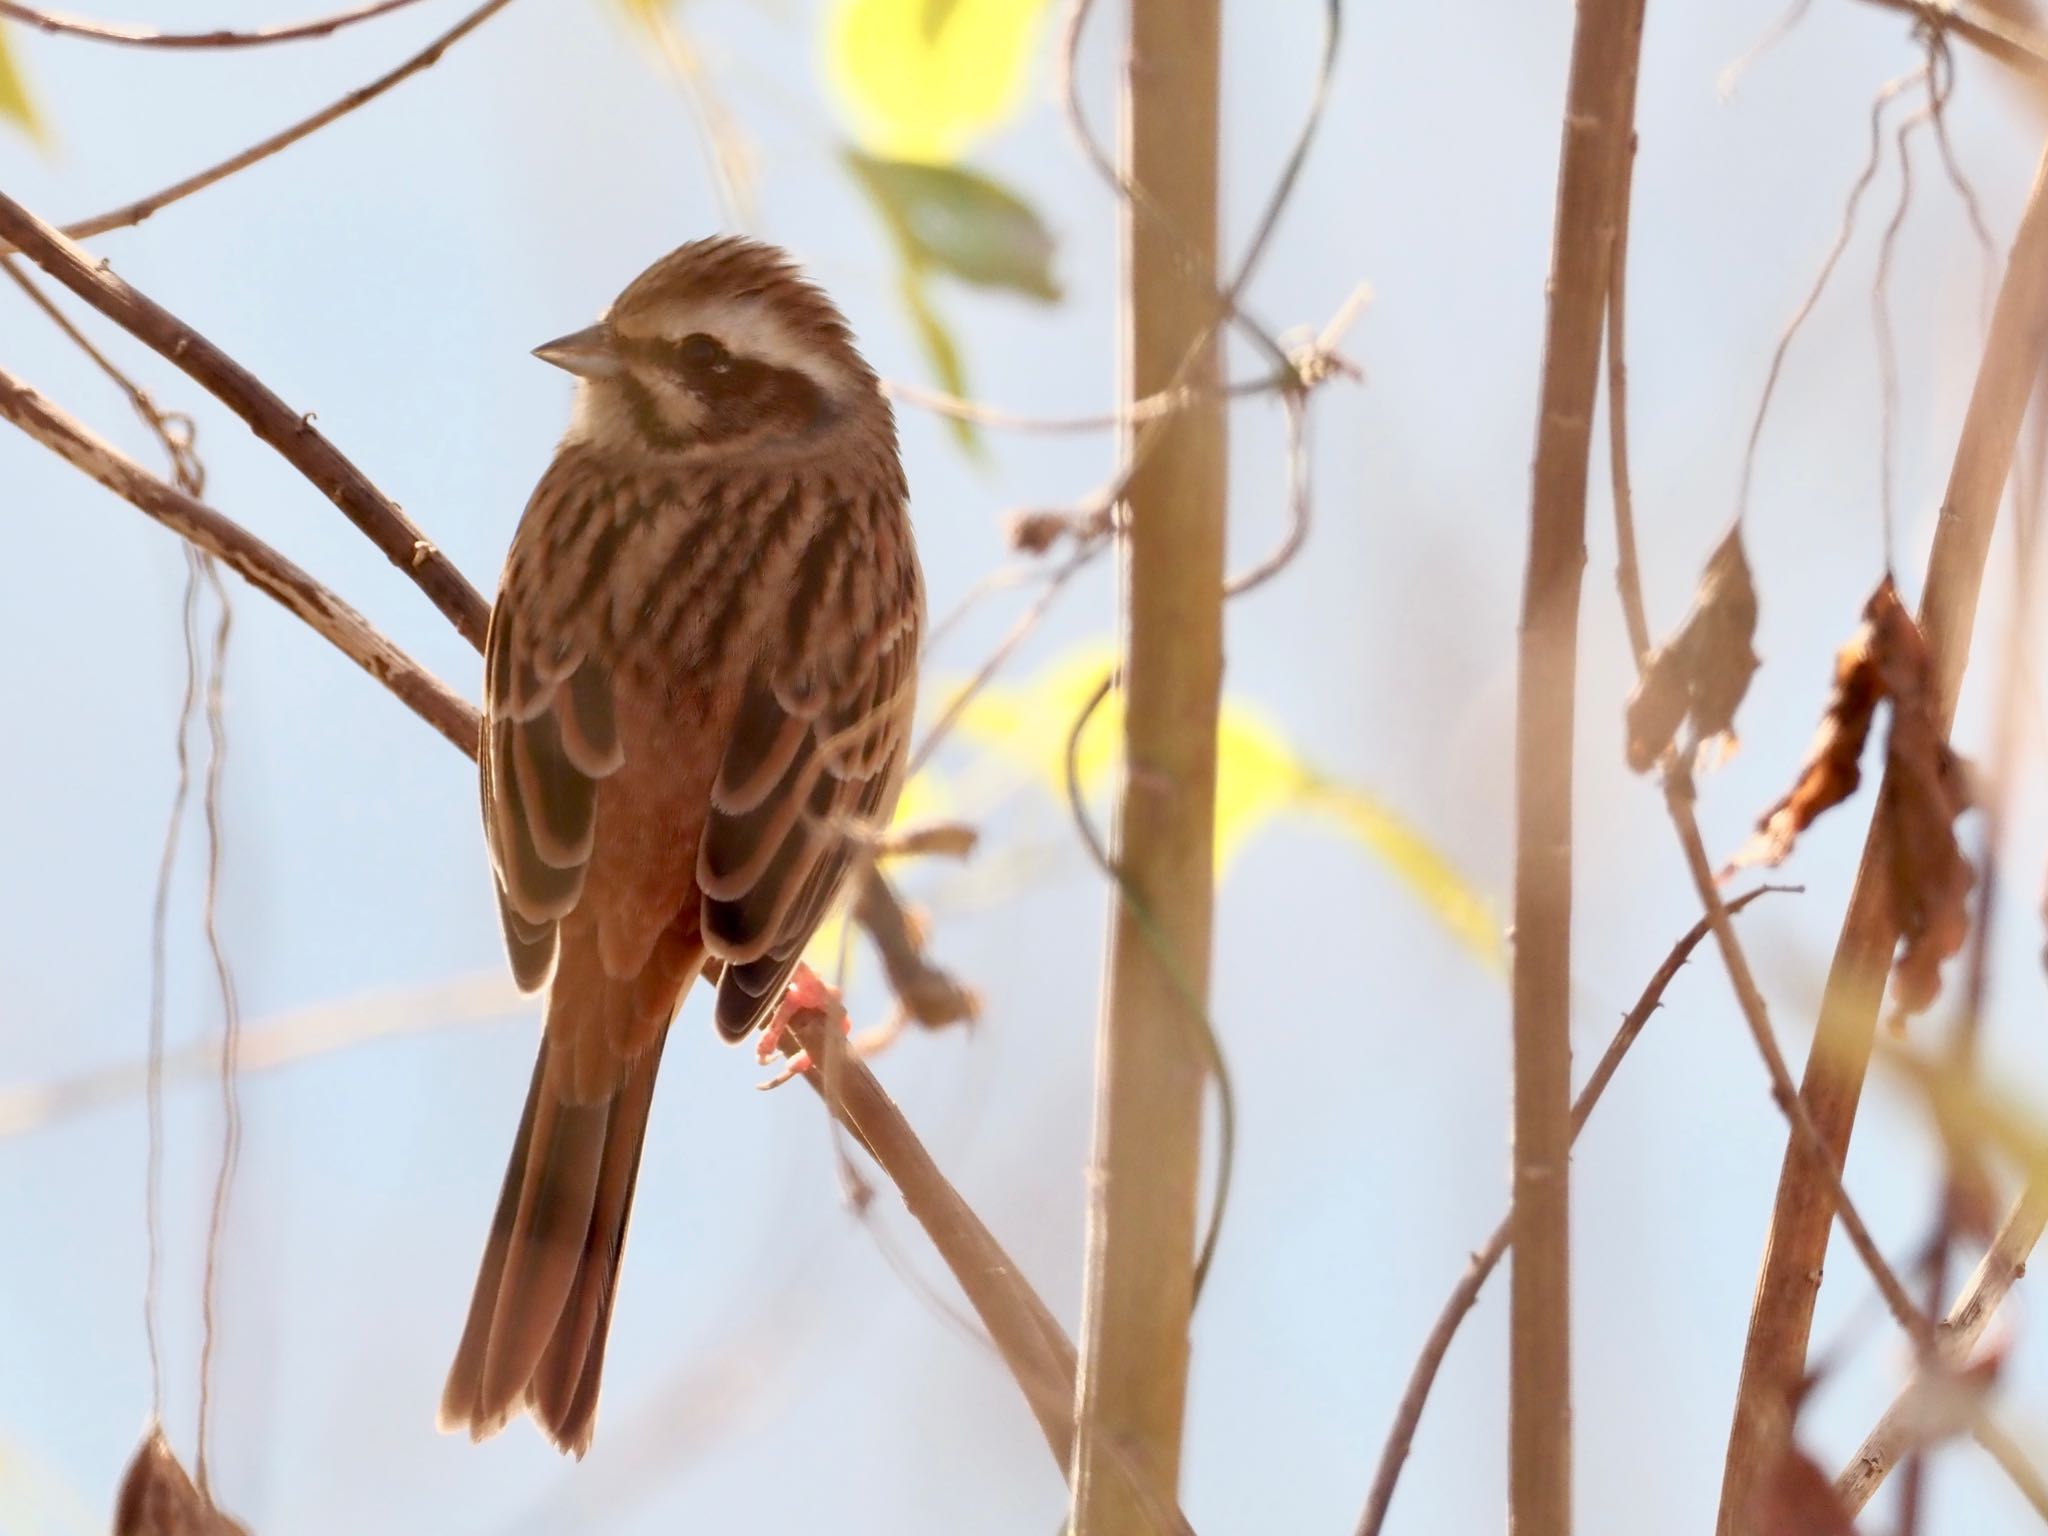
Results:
<point x="1025" y="1333"/>
<point x="1408" y="1414"/>
<point x="1781" y="1315"/>
<point x="263" y="567"/>
<point x="288" y="431"/>
<point x="150" y="37"/>
<point x="2010" y="42"/>
<point x="134" y="213"/>
<point x="1594" y="165"/>
<point x="2001" y="1267"/>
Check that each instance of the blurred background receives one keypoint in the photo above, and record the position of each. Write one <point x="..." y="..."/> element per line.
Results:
<point x="780" y="1363"/>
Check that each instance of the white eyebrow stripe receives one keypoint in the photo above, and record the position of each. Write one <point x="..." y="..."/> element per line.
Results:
<point x="748" y="328"/>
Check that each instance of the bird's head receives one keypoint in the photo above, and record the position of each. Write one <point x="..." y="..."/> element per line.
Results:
<point x="721" y="349"/>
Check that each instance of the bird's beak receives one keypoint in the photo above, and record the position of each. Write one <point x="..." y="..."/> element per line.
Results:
<point x="591" y="353"/>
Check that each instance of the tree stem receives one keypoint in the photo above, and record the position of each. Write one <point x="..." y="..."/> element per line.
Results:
<point x="1593" y="168"/>
<point x="1151" y="1056"/>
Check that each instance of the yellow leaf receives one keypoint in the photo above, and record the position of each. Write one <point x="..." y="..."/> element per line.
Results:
<point x="923" y="79"/>
<point x="1417" y="863"/>
<point x="16" y="105"/>
<point x="1259" y="776"/>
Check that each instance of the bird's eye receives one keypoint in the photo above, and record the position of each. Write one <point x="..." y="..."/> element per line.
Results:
<point x="700" y="351"/>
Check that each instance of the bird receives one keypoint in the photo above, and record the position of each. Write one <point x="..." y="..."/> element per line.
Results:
<point x="700" y="671"/>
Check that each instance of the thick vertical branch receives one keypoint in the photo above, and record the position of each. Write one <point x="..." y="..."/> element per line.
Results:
<point x="1593" y="167"/>
<point x="1781" y="1318"/>
<point x="1150" y="1057"/>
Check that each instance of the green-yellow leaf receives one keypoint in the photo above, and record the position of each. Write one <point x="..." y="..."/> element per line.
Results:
<point x="924" y="79"/>
<point x="940" y="351"/>
<point x="961" y="223"/>
<point x="16" y="105"/>
<point x="1260" y="776"/>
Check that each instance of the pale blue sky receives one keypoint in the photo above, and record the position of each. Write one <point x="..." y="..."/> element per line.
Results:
<point x="769" y="1370"/>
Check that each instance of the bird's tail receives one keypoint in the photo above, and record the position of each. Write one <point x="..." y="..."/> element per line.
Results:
<point x="537" y="1323"/>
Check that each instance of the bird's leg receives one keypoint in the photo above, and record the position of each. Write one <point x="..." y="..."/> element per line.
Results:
<point x="806" y="994"/>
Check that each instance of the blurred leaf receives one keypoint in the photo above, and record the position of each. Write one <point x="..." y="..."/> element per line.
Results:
<point x="1798" y="1499"/>
<point x="923" y="79"/>
<point x="1420" y="865"/>
<point x="16" y="106"/>
<point x="1831" y="771"/>
<point x="1973" y="1115"/>
<point x="1703" y="671"/>
<point x="1260" y="776"/>
<point x="960" y="223"/>
<point x="1926" y="787"/>
<point x="158" y="1499"/>
<point x="941" y="352"/>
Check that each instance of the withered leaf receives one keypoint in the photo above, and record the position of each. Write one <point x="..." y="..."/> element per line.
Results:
<point x="157" y="1498"/>
<point x="927" y="994"/>
<point x="1703" y="671"/>
<point x="1830" y="774"/>
<point x="1798" y="1499"/>
<point x="1926" y="789"/>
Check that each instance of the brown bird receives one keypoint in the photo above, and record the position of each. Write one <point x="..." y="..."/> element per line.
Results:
<point x="699" y="680"/>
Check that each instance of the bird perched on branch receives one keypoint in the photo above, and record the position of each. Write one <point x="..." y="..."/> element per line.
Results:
<point x="699" y="681"/>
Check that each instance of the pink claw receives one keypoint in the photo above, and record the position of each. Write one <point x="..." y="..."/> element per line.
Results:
<point x="806" y="994"/>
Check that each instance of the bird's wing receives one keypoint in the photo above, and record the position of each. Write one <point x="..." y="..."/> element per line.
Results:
<point x="816" y="757"/>
<point x="549" y="736"/>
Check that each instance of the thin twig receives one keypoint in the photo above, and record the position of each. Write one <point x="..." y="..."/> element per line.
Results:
<point x="1628" y="574"/>
<point x="1997" y="1272"/>
<point x="288" y="431"/>
<point x="1905" y="1311"/>
<point x="174" y="433"/>
<point x="56" y="22"/>
<point x="135" y="212"/>
<point x="1781" y="1315"/>
<point x="263" y="567"/>
<point x="231" y="1026"/>
<point x="1881" y="320"/>
<point x="2010" y="42"/>
<point x="1885" y="94"/>
<point x="1408" y="1413"/>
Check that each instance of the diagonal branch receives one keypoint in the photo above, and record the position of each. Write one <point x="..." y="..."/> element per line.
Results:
<point x="1896" y="1433"/>
<point x="263" y="567"/>
<point x="57" y="23"/>
<point x="290" y="432"/>
<point x="1781" y="1317"/>
<point x="134" y="213"/>
<point x="1401" y="1434"/>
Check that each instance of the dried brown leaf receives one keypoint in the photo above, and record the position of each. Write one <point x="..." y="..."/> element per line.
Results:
<point x="1926" y="789"/>
<point x="1830" y="773"/>
<point x="929" y="995"/>
<point x="1703" y="671"/>
<point x="1798" y="1499"/>
<point x="157" y="1498"/>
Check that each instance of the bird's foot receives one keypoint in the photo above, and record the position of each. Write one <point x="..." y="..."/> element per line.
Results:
<point x="806" y="994"/>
